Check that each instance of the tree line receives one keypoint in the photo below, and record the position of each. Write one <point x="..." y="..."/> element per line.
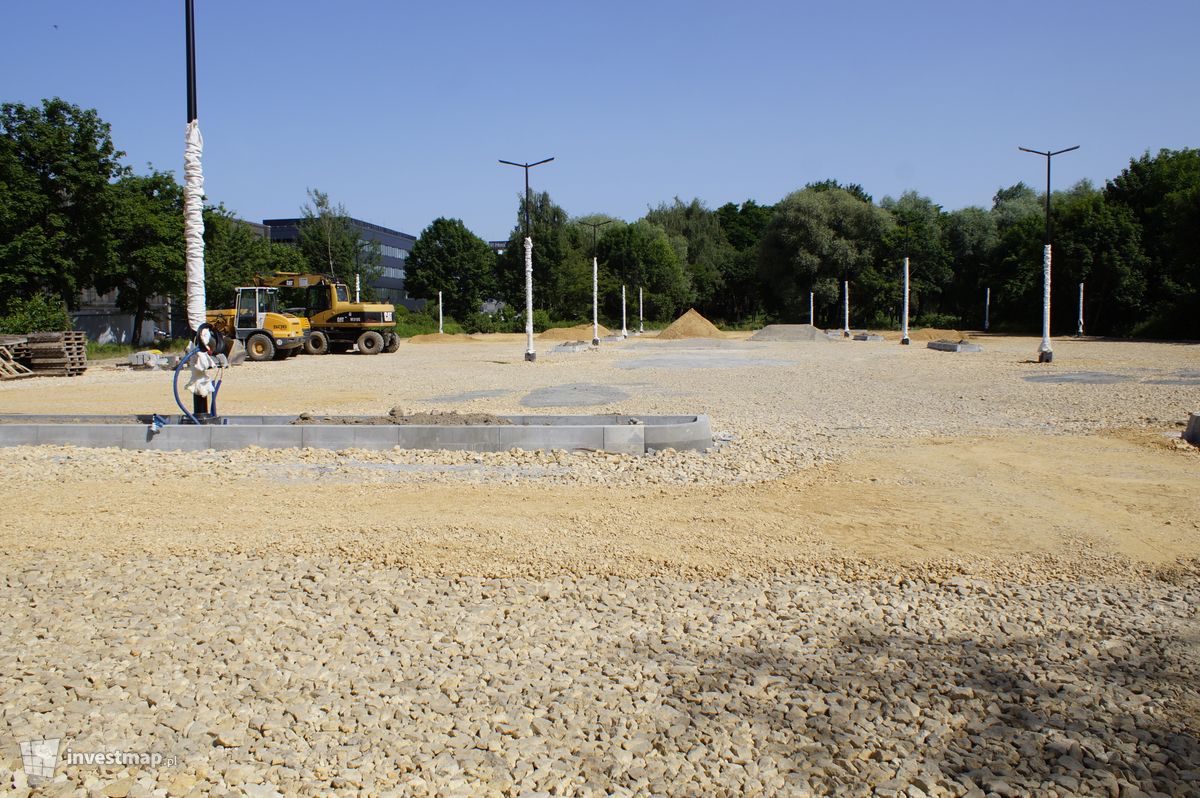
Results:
<point x="73" y="217"/>
<point x="1133" y="243"/>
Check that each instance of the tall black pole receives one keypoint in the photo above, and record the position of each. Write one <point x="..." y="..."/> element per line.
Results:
<point x="1045" y="353"/>
<point x="190" y="13"/>
<point x="530" y="354"/>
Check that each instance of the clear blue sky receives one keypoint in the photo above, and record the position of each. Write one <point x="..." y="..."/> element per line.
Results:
<point x="400" y="110"/>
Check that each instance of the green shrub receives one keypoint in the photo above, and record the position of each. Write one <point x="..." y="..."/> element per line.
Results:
<point x="39" y="313"/>
<point x="944" y="321"/>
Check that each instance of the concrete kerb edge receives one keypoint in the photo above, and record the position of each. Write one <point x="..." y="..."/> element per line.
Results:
<point x="617" y="434"/>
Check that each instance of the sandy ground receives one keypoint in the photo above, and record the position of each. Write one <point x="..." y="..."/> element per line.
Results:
<point x="858" y="462"/>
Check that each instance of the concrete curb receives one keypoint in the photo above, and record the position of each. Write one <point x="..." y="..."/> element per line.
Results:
<point x="608" y="433"/>
<point x="951" y="346"/>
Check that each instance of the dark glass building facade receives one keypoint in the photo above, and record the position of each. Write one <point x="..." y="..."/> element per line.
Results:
<point x="394" y="246"/>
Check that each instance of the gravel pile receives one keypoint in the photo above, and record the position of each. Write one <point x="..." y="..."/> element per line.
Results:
<point x="274" y="676"/>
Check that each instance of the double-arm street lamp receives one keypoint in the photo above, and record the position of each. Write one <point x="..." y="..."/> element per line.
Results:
<point x="595" y="281"/>
<point x="530" y="355"/>
<point x="1045" y="354"/>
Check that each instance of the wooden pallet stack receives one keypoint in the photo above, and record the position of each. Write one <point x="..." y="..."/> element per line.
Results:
<point x="53" y="354"/>
<point x="10" y="369"/>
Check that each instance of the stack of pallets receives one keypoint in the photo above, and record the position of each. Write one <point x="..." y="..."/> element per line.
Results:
<point x="53" y="354"/>
<point x="10" y="369"/>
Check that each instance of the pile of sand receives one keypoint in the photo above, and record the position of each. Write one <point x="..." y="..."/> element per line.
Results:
<point x="790" y="332"/>
<point x="691" y="325"/>
<point x="442" y="338"/>
<point x="580" y="332"/>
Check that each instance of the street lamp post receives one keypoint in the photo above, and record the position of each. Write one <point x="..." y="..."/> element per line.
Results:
<point x="595" y="282"/>
<point x="1045" y="353"/>
<point x="904" y="323"/>
<point x="530" y="355"/>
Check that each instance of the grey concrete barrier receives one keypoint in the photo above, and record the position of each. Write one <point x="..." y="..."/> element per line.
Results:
<point x="610" y="433"/>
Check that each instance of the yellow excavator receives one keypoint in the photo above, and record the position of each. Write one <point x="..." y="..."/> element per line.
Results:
<point x="337" y="324"/>
<point x="256" y="320"/>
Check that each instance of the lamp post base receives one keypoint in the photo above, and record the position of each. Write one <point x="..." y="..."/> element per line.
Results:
<point x="905" y="341"/>
<point x="530" y="357"/>
<point x="1045" y="357"/>
<point x="595" y="342"/>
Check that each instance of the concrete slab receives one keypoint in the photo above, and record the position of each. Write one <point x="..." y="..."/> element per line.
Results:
<point x="468" y="396"/>
<point x="475" y="439"/>
<point x="868" y="337"/>
<point x="953" y="346"/>
<point x="696" y="361"/>
<point x="572" y="346"/>
<point x="1082" y="377"/>
<point x="574" y="395"/>
<point x="535" y="438"/>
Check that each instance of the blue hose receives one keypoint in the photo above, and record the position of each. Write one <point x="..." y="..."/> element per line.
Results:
<point x="175" y="384"/>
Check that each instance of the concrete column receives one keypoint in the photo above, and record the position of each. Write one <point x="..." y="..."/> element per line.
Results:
<point x="1045" y="353"/>
<point x="904" y="327"/>
<point x="530" y="355"/>
<point x="595" y="302"/>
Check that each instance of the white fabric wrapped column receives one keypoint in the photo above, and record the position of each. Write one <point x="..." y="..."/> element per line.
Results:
<point x="904" y="330"/>
<point x="1045" y="354"/>
<point x="595" y="302"/>
<point x="846" y="308"/>
<point x="529" y="353"/>
<point x="193" y="223"/>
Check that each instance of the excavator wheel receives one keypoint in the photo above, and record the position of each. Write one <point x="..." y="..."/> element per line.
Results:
<point x="317" y="343"/>
<point x="370" y="343"/>
<point x="260" y="347"/>
<point x="391" y="342"/>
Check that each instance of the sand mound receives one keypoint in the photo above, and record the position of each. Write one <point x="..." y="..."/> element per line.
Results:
<point x="580" y="332"/>
<point x="790" y="332"/>
<point x="442" y="338"/>
<point x="691" y="325"/>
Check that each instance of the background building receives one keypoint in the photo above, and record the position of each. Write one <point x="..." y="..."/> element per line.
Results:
<point x="394" y="246"/>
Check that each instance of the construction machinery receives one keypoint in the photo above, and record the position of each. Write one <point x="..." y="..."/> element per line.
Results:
<point x="264" y="329"/>
<point x="337" y="323"/>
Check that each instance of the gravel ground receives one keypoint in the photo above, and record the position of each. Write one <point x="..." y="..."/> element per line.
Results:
<point x="898" y="572"/>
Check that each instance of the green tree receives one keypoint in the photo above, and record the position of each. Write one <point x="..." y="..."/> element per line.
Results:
<point x="969" y="238"/>
<point x="917" y="234"/>
<point x="327" y="239"/>
<point x="743" y="228"/>
<point x="147" y="244"/>
<point x="1162" y="192"/>
<point x="640" y="254"/>
<point x="562" y="265"/>
<point x="816" y="239"/>
<point x="450" y="258"/>
<point x="56" y="165"/>
<point x="235" y="252"/>
<point x="705" y="252"/>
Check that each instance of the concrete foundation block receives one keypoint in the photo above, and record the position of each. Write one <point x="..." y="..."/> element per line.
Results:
<point x="474" y="439"/>
<point x="535" y="438"/>
<point x="629" y="439"/>
<point x="954" y="346"/>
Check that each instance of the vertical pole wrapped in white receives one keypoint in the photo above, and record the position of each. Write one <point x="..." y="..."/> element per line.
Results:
<point x="1045" y="353"/>
<point x="529" y="353"/>
<point x="904" y="323"/>
<point x="193" y="224"/>
<point x="439" y="312"/>
<point x="987" y="306"/>
<point x="624" y="326"/>
<point x="811" y="319"/>
<point x="846" y="308"/>
<point x="357" y="289"/>
<point x="641" y="318"/>
<point x="595" y="302"/>
<point x="1080" y="332"/>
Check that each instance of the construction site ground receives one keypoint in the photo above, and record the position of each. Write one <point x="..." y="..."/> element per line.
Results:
<point x="897" y="569"/>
